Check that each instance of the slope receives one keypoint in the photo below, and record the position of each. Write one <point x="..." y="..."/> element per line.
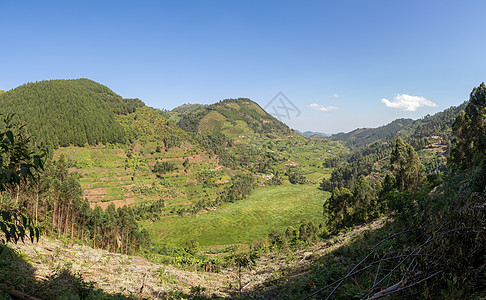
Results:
<point x="64" y="112"/>
<point x="233" y="117"/>
<point x="364" y="136"/>
<point x="171" y="176"/>
<point x="438" y="125"/>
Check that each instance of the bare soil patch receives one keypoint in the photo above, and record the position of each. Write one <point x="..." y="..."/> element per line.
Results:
<point x="94" y="194"/>
<point x="117" y="203"/>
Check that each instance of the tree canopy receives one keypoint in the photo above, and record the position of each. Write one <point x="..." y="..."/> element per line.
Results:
<point x="65" y="112"/>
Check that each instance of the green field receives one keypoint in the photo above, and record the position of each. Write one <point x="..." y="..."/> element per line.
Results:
<point x="265" y="210"/>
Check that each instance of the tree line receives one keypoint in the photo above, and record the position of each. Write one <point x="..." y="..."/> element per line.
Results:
<point x="50" y="199"/>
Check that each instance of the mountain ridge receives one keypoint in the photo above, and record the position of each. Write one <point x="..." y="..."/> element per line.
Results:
<point x="430" y="125"/>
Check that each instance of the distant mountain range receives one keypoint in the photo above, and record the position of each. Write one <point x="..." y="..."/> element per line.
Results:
<point x="439" y="124"/>
<point x="313" y="134"/>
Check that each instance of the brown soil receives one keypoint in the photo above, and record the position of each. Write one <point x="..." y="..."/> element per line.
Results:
<point x="94" y="194"/>
<point x="118" y="203"/>
<point x="118" y="273"/>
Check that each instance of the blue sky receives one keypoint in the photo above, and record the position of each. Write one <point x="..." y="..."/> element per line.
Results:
<point x="342" y="64"/>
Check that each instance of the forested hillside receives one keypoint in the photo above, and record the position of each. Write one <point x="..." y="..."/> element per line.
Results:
<point x="68" y="112"/>
<point x="365" y="136"/>
<point x="210" y="188"/>
<point x="439" y="124"/>
<point x="432" y="243"/>
<point x="430" y="136"/>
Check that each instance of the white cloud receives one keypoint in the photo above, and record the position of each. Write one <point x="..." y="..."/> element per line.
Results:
<point x="322" y="108"/>
<point x="334" y="96"/>
<point x="407" y="102"/>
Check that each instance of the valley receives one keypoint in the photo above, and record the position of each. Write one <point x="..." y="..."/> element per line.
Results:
<point x="204" y="192"/>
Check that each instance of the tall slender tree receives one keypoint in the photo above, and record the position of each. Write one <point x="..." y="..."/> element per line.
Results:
<point x="406" y="166"/>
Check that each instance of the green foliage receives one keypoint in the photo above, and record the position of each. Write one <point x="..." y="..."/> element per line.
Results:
<point x="361" y="162"/>
<point x="17" y="227"/>
<point x="295" y="176"/>
<point x="365" y="136"/>
<point x="433" y="246"/>
<point x="234" y="111"/>
<point x="19" y="161"/>
<point x="185" y="164"/>
<point x="406" y="166"/>
<point x="172" y="141"/>
<point x="337" y="210"/>
<point x="19" y="158"/>
<point x="162" y="167"/>
<point x="78" y="112"/>
<point x="64" y="212"/>
<point x="240" y="188"/>
<point x="417" y="132"/>
<point x="469" y="146"/>
<point x="266" y="209"/>
<point x="123" y="106"/>
<point x="348" y="208"/>
<point x="147" y="126"/>
<point x="192" y="246"/>
<point x="217" y="144"/>
<point x="292" y="238"/>
<point x="242" y="261"/>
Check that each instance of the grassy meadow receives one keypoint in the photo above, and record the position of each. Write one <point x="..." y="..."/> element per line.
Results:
<point x="265" y="210"/>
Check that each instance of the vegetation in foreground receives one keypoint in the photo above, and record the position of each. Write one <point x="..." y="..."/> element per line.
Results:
<point x="432" y="247"/>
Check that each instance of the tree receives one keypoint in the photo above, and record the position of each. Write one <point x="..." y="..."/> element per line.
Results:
<point x="364" y="200"/>
<point x="19" y="159"/>
<point x="338" y="210"/>
<point x="406" y="166"/>
<point x="295" y="176"/>
<point x="308" y="231"/>
<point x="469" y="129"/>
<point x="185" y="164"/>
<point x="243" y="260"/>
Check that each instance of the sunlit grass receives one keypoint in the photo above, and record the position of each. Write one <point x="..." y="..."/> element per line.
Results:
<point x="265" y="210"/>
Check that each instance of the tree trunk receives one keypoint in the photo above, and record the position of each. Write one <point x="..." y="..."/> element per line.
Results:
<point x="72" y="225"/>
<point x="94" y="236"/>
<point x="59" y="221"/>
<point x="126" y="246"/>
<point x="36" y="203"/>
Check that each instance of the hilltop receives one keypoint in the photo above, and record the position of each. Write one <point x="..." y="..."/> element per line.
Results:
<point x="66" y="112"/>
<point x="234" y="118"/>
<point x="122" y="152"/>
<point x="208" y="188"/>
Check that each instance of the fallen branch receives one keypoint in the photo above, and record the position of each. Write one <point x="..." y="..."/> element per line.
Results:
<point x="143" y="284"/>
<point x="388" y="290"/>
<point x="352" y="272"/>
<point x="394" y="288"/>
<point x="19" y="295"/>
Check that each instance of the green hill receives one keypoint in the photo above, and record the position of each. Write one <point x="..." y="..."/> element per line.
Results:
<point x="125" y="153"/>
<point x="364" y="136"/>
<point x="234" y="118"/>
<point x="437" y="125"/>
<point x="68" y="112"/>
